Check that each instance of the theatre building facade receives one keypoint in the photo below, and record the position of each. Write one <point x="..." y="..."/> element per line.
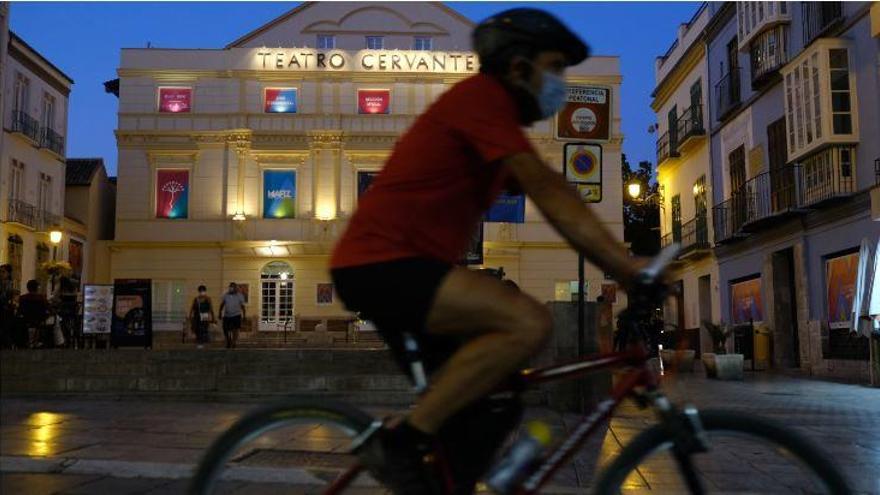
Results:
<point x="243" y="164"/>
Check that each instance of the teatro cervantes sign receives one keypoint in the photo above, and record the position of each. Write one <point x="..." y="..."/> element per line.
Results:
<point x="304" y="59"/>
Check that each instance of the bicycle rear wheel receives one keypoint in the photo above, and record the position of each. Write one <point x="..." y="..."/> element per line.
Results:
<point x="260" y="447"/>
<point x="745" y="454"/>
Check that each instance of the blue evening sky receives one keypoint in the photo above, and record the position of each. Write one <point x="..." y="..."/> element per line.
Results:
<point x="84" y="39"/>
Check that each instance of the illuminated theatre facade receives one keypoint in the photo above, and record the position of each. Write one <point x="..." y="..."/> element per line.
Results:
<point x="245" y="163"/>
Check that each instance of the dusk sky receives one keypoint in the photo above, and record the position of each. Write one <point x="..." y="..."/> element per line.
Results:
<point x="84" y="40"/>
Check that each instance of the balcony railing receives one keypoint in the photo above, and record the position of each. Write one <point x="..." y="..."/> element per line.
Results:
<point x="695" y="234"/>
<point x="791" y="189"/>
<point x="52" y="141"/>
<point x="46" y="221"/>
<point x="667" y="147"/>
<point x="690" y="123"/>
<point x="768" y="54"/>
<point x="23" y="123"/>
<point x="819" y="17"/>
<point x="727" y="93"/>
<point x="21" y="212"/>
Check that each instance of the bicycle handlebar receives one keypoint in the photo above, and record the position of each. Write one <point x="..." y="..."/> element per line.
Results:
<point x="651" y="273"/>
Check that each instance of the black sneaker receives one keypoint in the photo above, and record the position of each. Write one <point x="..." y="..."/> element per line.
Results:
<point x="399" y="464"/>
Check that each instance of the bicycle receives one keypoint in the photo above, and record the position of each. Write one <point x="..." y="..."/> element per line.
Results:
<point x="684" y="432"/>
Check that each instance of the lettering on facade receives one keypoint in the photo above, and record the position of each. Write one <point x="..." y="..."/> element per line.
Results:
<point x="365" y="61"/>
<point x="279" y="194"/>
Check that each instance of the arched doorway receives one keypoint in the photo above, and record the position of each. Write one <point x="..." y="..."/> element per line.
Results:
<point x="276" y="296"/>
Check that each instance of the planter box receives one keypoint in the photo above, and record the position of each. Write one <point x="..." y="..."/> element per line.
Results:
<point x="682" y="361"/>
<point x="729" y="366"/>
<point x="708" y="359"/>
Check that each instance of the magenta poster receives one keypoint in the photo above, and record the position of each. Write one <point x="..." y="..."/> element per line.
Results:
<point x="175" y="100"/>
<point x="172" y="193"/>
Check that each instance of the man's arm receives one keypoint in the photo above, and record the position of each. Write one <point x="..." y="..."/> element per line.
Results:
<point x="222" y="303"/>
<point x="576" y="222"/>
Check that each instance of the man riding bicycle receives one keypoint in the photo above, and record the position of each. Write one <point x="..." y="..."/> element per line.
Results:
<point x="395" y="264"/>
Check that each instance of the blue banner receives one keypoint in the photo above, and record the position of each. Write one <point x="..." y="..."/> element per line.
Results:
<point x="279" y="194"/>
<point x="508" y="208"/>
<point x="280" y="100"/>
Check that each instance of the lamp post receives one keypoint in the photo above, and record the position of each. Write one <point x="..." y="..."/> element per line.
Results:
<point x="55" y="238"/>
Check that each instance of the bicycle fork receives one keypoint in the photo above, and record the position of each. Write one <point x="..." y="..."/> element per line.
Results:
<point x="689" y="439"/>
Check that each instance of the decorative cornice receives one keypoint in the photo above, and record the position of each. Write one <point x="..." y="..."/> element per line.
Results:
<point x="263" y="158"/>
<point x="172" y="157"/>
<point x="325" y="139"/>
<point x="367" y="158"/>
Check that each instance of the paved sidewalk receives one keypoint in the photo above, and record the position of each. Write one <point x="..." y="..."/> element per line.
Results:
<point x="68" y="446"/>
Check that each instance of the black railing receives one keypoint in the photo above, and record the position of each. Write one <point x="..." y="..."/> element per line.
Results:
<point x="772" y="193"/>
<point x="819" y="17"/>
<point x="690" y="123"/>
<point x="727" y="93"/>
<point x="666" y="148"/>
<point x="722" y="218"/>
<point x="829" y="174"/>
<point x="46" y="221"/>
<point x="21" y="212"/>
<point x="23" y="123"/>
<point x="52" y="141"/>
<point x="768" y="54"/>
<point x="695" y="234"/>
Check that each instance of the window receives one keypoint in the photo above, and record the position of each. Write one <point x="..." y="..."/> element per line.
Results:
<point x="169" y="304"/>
<point x="21" y="97"/>
<point x="783" y="190"/>
<point x="276" y="296"/>
<point x="819" y="17"/>
<point x="326" y="42"/>
<point x="701" y="229"/>
<point x="423" y="43"/>
<point x="375" y="43"/>
<point x="819" y="90"/>
<point x="736" y="160"/>
<point x="672" y="123"/>
<point x="676" y="218"/>
<point x="47" y="117"/>
<point x="172" y="193"/>
<point x="567" y="290"/>
<point x="15" y="250"/>
<point x="279" y="194"/>
<point x="16" y="179"/>
<point x="44" y="200"/>
<point x="754" y="17"/>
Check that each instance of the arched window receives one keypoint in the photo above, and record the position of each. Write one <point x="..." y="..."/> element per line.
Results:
<point x="276" y="296"/>
<point x="15" y="248"/>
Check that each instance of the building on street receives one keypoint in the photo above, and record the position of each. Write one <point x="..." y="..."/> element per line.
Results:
<point x="89" y="206"/>
<point x="243" y="163"/>
<point x="34" y="95"/>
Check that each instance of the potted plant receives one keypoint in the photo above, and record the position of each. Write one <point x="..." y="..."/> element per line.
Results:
<point x="673" y="357"/>
<point x="719" y="364"/>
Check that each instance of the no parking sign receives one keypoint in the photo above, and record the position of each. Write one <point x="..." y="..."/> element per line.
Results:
<point x="583" y="168"/>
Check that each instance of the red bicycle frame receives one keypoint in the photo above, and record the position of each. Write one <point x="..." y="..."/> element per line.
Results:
<point x="639" y="376"/>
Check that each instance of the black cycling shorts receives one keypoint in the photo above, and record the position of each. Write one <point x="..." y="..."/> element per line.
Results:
<point x="397" y="297"/>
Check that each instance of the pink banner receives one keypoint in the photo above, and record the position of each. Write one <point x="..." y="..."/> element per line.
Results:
<point x="175" y="100"/>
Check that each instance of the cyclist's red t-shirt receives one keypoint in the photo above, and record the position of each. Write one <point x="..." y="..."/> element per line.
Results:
<point x="443" y="174"/>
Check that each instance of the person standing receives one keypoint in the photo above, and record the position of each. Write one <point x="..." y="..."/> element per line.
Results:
<point x="232" y="310"/>
<point x="34" y="309"/>
<point x="201" y="316"/>
<point x="7" y="293"/>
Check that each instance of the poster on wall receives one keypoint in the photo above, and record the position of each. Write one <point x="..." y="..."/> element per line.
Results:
<point x="586" y="114"/>
<point x="97" y="309"/>
<point x="324" y="294"/>
<point x="279" y="194"/>
<point x="374" y="101"/>
<point x="840" y="288"/>
<point x="745" y="301"/>
<point x="172" y="193"/>
<point x="280" y="100"/>
<point x="582" y="168"/>
<point x="132" y="324"/>
<point x="365" y="179"/>
<point x="175" y="100"/>
<point x="508" y="208"/>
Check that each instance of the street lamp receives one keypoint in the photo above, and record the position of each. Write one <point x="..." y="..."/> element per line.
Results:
<point x="55" y="238"/>
<point x="634" y="189"/>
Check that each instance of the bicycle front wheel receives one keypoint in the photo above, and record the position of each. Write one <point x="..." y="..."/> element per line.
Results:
<point x="261" y="448"/>
<point x="745" y="454"/>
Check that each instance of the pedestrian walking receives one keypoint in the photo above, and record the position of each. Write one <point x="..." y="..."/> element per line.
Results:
<point x="201" y="316"/>
<point x="232" y="310"/>
<point x="33" y="308"/>
<point x="66" y="307"/>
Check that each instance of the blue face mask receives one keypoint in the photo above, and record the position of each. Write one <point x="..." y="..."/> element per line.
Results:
<point x="552" y="95"/>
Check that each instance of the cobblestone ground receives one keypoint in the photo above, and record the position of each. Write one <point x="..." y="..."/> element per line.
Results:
<point x="73" y="446"/>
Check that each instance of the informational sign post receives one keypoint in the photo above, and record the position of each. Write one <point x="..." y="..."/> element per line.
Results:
<point x="97" y="309"/>
<point x="586" y="115"/>
<point x="582" y="167"/>
<point x="132" y="313"/>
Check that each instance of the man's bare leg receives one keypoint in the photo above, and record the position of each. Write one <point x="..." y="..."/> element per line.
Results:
<point x="506" y="328"/>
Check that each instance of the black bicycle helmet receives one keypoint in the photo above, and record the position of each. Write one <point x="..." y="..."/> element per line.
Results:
<point x="530" y="27"/>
